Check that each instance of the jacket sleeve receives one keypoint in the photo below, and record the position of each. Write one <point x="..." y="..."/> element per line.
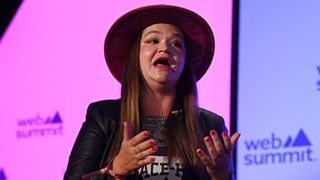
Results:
<point x="88" y="150"/>
<point x="210" y="121"/>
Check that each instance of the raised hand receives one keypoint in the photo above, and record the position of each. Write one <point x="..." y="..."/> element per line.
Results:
<point x="219" y="162"/>
<point x="134" y="152"/>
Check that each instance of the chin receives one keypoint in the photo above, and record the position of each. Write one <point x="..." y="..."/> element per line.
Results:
<point x="168" y="82"/>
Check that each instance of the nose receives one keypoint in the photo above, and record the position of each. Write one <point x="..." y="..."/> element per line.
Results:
<point x="163" y="48"/>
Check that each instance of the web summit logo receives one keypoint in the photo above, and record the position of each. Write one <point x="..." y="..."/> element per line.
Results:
<point x="39" y="126"/>
<point x="2" y="175"/>
<point x="275" y="150"/>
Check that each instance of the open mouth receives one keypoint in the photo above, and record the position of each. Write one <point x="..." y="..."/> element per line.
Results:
<point x="162" y="61"/>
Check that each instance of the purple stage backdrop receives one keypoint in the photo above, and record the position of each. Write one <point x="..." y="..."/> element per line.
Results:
<point x="52" y="66"/>
<point x="279" y="90"/>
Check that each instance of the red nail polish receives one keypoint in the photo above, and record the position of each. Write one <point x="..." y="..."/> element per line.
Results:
<point x="225" y="133"/>
<point x="154" y="148"/>
<point x="151" y="142"/>
<point x="146" y="133"/>
<point x="213" y="133"/>
<point x="152" y="158"/>
<point x="207" y="139"/>
<point x="199" y="151"/>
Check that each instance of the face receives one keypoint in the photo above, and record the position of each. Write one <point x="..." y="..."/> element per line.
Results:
<point x="162" y="54"/>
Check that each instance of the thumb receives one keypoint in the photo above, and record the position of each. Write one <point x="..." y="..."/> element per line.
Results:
<point x="127" y="133"/>
<point x="234" y="139"/>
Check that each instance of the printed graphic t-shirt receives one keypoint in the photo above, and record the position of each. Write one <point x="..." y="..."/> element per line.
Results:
<point x="160" y="168"/>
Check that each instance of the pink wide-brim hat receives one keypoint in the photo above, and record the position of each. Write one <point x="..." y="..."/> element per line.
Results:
<point x="198" y="36"/>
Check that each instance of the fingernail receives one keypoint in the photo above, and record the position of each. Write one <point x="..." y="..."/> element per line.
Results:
<point x="151" y="142"/>
<point x="207" y="139"/>
<point x="225" y="133"/>
<point x="146" y="133"/>
<point x="213" y="133"/>
<point x="154" y="148"/>
<point x="199" y="151"/>
<point x="152" y="158"/>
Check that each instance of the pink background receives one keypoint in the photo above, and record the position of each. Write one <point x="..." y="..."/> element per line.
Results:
<point x="51" y="60"/>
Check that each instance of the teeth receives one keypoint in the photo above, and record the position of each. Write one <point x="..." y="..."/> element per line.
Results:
<point x="166" y="61"/>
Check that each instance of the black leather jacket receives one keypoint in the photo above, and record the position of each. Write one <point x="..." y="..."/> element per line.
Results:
<point x="89" y="152"/>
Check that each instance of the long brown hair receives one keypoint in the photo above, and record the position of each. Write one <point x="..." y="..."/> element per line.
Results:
<point x="183" y="134"/>
<point x="130" y="90"/>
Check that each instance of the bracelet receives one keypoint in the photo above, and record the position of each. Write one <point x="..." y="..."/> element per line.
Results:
<point x="109" y="170"/>
<point x="106" y="170"/>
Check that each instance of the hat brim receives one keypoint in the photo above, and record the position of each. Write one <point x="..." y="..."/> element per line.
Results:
<point x="199" y="38"/>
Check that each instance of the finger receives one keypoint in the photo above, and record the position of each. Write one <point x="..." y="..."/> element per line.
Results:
<point x="146" y="161"/>
<point x="137" y="139"/>
<point x="147" y="152"/>
<point x="146" y="144"/>
<point x="227" y="141"/>
<point x="234" y="139"/>
<point x="217" y="143"/>
<point x="210" y="147"/>
<point x="127" y="133"/>
<point x="204" y="158"/>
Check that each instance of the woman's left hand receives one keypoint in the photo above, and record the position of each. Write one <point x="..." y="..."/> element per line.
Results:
<point x="219" y="161"/>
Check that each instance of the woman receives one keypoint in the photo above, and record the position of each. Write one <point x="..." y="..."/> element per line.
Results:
<point x="156" y="130"/>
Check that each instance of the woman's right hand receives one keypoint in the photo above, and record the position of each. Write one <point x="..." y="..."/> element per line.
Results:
<point x="134" y="152"/>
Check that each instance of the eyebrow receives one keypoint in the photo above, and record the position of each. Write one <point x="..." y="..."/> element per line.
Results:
<point x="158" y="32"/>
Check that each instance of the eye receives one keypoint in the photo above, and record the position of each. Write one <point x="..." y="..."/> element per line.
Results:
<point x="176" y="44"/>
<point x="152" y="41"/>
